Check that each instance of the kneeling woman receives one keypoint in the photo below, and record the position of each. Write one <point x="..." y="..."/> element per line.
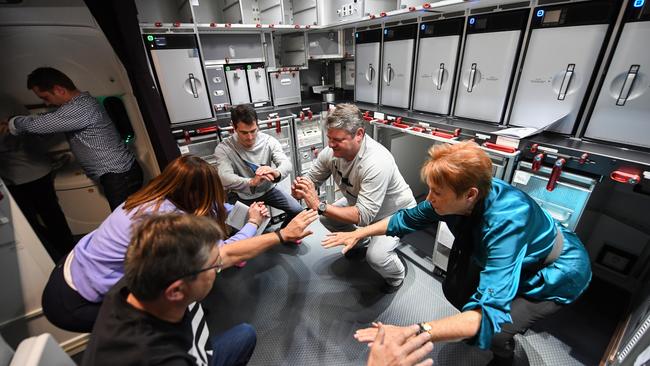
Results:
<point x="77" y="285"/>
<point x="511" y="264"/>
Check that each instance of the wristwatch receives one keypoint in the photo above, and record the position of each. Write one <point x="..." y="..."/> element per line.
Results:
<point x="424" y="327"/>
<point x="322" y="207"/>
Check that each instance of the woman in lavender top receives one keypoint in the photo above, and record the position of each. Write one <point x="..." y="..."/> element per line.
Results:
<point x="77" y="285"/>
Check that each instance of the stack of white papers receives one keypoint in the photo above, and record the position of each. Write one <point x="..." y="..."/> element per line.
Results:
<point x="238" y="217"/>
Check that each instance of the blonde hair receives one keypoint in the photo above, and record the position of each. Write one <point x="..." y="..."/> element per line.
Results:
<point x="460" y="167"/>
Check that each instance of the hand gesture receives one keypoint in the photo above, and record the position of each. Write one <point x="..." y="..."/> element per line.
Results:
<point x="404" y="350"/>
<point x="303" y="188"/>
<point x="348" y="239"/>
<point x="297" y="228"/>
<point x="368" y="335"/>
<point x="257" y="212"/>
<point x="256" y="181"/>
<point x="267" y="173"/>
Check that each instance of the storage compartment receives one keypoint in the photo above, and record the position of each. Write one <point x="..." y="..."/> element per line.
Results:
<point x="562" y="52"/>
<point x="397" y="65"/>
<point x="165" y="11"/>
<point x="285" y="87"/>
<point x="324" y="45"/>
<point x="257" y="84"/>
<point x="175" y="59"/>
<point x="274" y="12"/>
<point x="226" y="48"/>
<point x="623" y="105"/>
<point x="367" y="67"/>
<point x="237" y="85"/>
<point x="436" y="69"/>
<point x="488" y="62"/>
<point x="290" y="49"/>
<point x="304" y="12"/>
<point x="309" y="141"/>
<point x="566" y="202"/>
<point x="240" y="11"/>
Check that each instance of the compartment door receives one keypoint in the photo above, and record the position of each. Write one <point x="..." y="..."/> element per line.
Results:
<point x="238" y="86"/>
<point x="182" y="84"/>
<point x="485" y="75"/>
<point x="557" y="68"/>
<point x="258" y="86"/>
<point x="622" y="112"/>
<point x="368" y="72"/>
<point x="397" y="67"/>
<point x="435" y="74"/>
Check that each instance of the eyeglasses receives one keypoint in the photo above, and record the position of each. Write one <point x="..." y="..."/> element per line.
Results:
<point x="217" y="266"/>
<point x="194" y="273"/>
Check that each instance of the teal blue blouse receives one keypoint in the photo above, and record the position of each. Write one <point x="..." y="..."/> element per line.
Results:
<point x="515" y="233"/>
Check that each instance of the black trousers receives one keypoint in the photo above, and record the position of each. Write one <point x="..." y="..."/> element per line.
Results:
<point x="65" y="307"/>
<point x="524" y="312"/>
<point x="118" y="186"/>
<point x="461" y="283"/>
<point x="40" y="205"/>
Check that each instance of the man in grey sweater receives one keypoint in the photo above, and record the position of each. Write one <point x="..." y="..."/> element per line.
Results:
<point x="251" y="163"/>
<point x="372" y="189"/>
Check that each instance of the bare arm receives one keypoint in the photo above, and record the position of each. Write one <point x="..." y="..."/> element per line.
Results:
<point x="452" y="328"/>
<point x="350" y="239"/>
<point x="248" y="248"/>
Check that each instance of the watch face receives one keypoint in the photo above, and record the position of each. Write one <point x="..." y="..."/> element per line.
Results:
<point x="322" y="206"/>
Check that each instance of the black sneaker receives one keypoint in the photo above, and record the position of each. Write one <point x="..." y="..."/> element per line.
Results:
<point x="387" y="288"/>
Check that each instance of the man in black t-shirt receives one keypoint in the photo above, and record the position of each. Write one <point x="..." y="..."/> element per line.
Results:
<point x="152" y="316"/>
<point x="171" y="263"/>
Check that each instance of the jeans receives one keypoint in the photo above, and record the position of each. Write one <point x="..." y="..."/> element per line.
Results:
<point x="234" y="347"/>
<point x="118" y="186"/>
<point x="381" y="254"/>
<point x="280" y="200"/>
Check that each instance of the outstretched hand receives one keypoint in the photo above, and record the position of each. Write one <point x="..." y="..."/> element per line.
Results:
<point x="297" y="227"/>
<point x="404" y="349"/>
<point x="368" y="335"/>
<point x="347" y="239"/>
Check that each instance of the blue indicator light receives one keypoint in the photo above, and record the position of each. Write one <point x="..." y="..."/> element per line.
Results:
<point x="423" y="27"/>
<point x="356" y="35"/>
<point x="386" y="31"/>
<point x="638" y="3"/>
<point x="540" y="13"/>
<point x="472" y="20"/>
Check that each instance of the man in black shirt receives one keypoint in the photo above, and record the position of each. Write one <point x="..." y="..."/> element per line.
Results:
<point x="149" y="317"/>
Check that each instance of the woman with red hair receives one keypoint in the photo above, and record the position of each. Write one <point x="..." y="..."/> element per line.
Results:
<point x="511" y="264"/>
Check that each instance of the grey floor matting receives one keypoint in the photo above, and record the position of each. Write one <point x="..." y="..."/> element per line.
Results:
<point x="306" y="303"/>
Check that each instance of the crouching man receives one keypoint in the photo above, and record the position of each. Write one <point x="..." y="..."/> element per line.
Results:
<point x="171" y="263"/>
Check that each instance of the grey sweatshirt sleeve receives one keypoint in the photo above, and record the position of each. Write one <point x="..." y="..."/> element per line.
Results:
<point x="280" y="159"/>
<point x="320" y="170"/>
<point x="374" y="184"/>
<point x="229" y="178"/>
